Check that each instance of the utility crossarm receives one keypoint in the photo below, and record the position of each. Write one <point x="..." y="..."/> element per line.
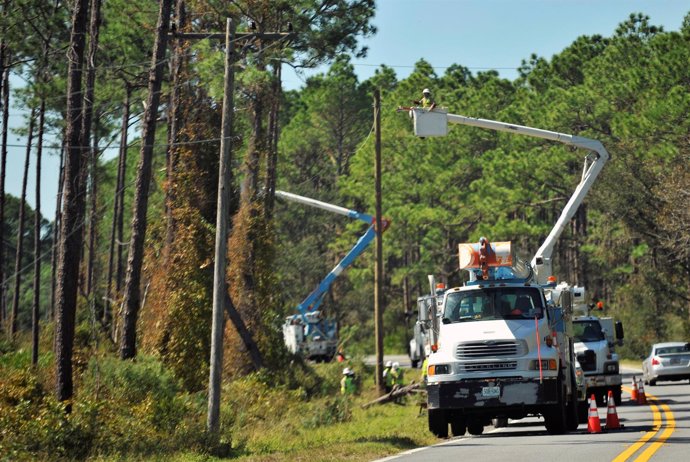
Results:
<point x="434" y="123"/>
<point x="313" y="301"/>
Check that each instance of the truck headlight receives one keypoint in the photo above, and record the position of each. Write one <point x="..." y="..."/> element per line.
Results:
<point x="439" y="369"/>
<point x="546" y="365"/>
<point x="611" y="368"/>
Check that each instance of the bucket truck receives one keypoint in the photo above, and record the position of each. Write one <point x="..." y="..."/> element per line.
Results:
<point x="308" y="333"/>
<point x="595" y="342"/>
<point x="504" y="346"/>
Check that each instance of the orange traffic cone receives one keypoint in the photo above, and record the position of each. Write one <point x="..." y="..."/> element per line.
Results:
<point x="641" y="397"/>
<point x="612" y="421"/>
<point x="634" y="393"/>
<point x="593" y="422"/>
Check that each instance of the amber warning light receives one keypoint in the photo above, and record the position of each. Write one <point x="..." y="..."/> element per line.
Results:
<point x="501" y="255"/>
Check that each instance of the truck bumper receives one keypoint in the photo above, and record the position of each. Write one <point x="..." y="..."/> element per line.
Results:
<point x="602" y="381"/>
<point x="482" y="394"/>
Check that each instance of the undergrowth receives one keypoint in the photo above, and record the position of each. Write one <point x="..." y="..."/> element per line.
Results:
<point x="138" y="410"/>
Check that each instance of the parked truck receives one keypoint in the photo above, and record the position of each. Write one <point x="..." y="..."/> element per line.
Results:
<point x="420" y="346"/>
<point x="595" y="342"/>
<point x="309" y="332"/>
<point x="504" y="347"/>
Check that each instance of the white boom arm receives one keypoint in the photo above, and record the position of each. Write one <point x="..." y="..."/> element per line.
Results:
<point x="434" y="123"/>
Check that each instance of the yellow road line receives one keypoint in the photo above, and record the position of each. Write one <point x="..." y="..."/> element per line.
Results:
<point x="670" y="427"/>
<point x="653" y="447"/>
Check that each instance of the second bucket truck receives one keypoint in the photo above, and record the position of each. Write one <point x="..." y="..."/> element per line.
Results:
<point x="502" y="344"/>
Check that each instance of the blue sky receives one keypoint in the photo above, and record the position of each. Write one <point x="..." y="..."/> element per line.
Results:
<point x="478" y="34"/>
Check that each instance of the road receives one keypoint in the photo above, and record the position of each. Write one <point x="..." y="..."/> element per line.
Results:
<point x="658" y="431"/>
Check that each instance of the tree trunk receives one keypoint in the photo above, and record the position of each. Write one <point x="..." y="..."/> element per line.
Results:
<point x="121" y="177"/>
<point x="20" y="230"/>
<point x="35" y="312"/>
<point x="3" y="172"/>
<point x="174" y="117"/>
<point x="119" y="195"/>
<point x="73" y="212"/>
<point x="56" y="232"/>
<point x="94" y="27"/>
<point x="136" y="246"/>
<point x="93" y="222"/>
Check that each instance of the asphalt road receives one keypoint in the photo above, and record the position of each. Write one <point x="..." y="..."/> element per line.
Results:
<point x="658" y="431"/>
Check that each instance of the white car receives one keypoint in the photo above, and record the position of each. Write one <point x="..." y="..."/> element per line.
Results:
<point x="667" y="361"/>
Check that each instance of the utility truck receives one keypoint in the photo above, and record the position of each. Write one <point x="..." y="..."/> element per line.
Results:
<point x="420" y="346"/>
<point x="595" y="342"/>
<point x="308" y="332"/>
<point x="504" y="345"/>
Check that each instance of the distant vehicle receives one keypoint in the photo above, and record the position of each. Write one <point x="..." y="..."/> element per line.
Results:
<point x="667" y="361"/>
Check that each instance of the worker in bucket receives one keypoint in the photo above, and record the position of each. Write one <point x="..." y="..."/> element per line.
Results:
<point x="388" y="376"/>
<point x="347" y="383"/>
<point x="427" y="101"/>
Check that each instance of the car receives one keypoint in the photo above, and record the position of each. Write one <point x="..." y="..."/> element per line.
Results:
<point x="667" y="361"/>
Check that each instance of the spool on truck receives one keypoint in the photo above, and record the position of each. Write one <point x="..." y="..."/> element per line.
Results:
<point x="504" y="346"/>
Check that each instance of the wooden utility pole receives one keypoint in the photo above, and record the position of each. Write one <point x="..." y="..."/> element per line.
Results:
<point x="378" y="266"/>
<point x="219" y="284"/>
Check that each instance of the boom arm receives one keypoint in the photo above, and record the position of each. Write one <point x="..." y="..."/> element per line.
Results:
<point x="314" y="299"/>
<point x="434" y="123"/>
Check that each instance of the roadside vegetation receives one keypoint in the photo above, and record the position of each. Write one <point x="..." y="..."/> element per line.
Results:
<point x="137" y="410"/>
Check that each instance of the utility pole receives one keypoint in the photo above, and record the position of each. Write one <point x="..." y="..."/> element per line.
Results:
<point x="219" y="285"/>
<point x="378" y="266"/>
<point x="221" y="299"/>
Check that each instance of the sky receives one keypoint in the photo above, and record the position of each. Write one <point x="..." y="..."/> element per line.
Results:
<point x="478" y="34"/>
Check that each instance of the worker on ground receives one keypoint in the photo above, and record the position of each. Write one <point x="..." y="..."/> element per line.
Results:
<point x="398" y="374"/>
<point x="347" y="383"/>
<point x="388" y="376"/>
<point x="427" y="101"/>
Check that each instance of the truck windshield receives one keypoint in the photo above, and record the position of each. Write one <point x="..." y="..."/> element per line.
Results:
<point x="587" y="331"/>
<point x="493" y="303"/>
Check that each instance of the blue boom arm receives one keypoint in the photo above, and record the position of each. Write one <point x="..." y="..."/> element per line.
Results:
<point x="313" y="301"/>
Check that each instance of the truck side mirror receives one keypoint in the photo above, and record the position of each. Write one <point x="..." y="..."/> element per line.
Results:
<point x="620" y="335"/>
<point x="422" y="311"/>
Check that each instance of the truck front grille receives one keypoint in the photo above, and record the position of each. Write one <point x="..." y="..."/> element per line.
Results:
<point x="488" y="348"/>
<point x="500" y="366"/>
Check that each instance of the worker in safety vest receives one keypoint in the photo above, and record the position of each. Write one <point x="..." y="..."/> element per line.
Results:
<point x="388" y="376"/>
<point x="425" y="366"/>
<point x="427" y="101"/>
<point x="397" y="373"/>
<point x="347" y="383"/>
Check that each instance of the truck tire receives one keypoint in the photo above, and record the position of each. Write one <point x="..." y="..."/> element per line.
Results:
<point x="414" y="363"/>
<point x="618" y="396"/>
<point x="555" y="419"/>
<point x="438" y="425"/>
<point x="601" y="398"/>
<point x="499" y="422"/>
<point x="458" y="426"/>
<point x="582" y="412"/>
<point x="475" y="427"/>
<point x="572" y="421"/>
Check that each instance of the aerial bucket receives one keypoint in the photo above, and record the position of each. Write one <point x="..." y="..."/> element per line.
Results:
<point x="430" y="123"/>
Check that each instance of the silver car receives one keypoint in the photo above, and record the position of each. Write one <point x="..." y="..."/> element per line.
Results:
<point x="667" y="361"/>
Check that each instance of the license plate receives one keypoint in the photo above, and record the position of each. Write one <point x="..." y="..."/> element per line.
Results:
<point x="491" y="392"/>
<point x="675" y="361"/>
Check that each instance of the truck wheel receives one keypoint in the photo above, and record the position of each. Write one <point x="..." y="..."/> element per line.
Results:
<point x="475" y="427"/>
<point x="414" y="363"/>
<point x="438" y="425"/>
<point x="601" y="399"/>
<point x="652" y="382"/>
<point x="618" y="396"/>
<point x="572" y="421"/>
<point x="499" y="422"/>
<point x="458" y="426"/>
<point x="582" y="412"/>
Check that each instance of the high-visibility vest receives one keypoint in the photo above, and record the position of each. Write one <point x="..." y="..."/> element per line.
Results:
<point x="347" y="385"/>
<point x="427" y="102"/>
<point x="388" y="377"/>
<point x="425" y="366"/>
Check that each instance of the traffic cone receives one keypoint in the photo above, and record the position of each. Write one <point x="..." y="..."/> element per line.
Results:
<point x="641" y="397"/>
<point x="593" y="422"/>
<point x="612" y="421"/>
<point x="634" y="393"/>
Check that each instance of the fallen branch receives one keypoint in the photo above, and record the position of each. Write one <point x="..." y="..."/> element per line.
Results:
<point x="397" y="392"/>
